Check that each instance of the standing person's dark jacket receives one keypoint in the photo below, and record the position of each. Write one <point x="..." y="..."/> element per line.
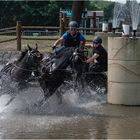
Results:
<point x="102" y="59"/>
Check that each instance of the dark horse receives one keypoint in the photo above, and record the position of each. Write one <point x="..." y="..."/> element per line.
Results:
<point x="53" y="72"/>
<point x="20" y="70"/>
<point x="83" y="74"/>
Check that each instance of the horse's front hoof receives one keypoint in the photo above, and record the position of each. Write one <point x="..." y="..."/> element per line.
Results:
<point x="35" y="105"/>
<point x="22" y="86"/>
<point x="40" y="103"/>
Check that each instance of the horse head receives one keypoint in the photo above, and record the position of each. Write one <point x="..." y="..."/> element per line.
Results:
<point x="78" y="60"/>
<point x="32" y="57"/>
<point x="27" y="63"/>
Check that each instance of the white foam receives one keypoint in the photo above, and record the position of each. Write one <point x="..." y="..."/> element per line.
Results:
<point x="73" y="102"/>
<point x="3" y="100"/>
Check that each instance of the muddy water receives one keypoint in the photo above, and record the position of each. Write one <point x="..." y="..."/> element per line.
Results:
<point x="88" y="117"/>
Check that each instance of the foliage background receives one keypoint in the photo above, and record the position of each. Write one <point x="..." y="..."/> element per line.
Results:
<point x="44" y="12"/>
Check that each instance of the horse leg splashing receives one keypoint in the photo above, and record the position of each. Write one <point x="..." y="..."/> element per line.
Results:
<point x="53" y="84"/>
<point x="8" y="87"/>
<point x="77" y="65"/>
<point x="49" y="88"/>
<point x="20" y="87"/>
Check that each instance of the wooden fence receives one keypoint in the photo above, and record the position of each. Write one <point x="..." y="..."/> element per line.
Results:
<point x="19" y="29"/>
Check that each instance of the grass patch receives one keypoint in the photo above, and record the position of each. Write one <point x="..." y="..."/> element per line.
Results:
<point x="5" y="38"/>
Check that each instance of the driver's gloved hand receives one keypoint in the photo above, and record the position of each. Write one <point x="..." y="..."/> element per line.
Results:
<point x="81" y="48"/>
<point x="53" y="47"/>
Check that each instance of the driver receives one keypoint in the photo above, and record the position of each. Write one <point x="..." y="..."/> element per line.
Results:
<point x="98" y="61"/>
<point x="71" y="38"/>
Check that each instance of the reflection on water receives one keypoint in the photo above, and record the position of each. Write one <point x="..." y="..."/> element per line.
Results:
<point x="87" y="116"/>
<point x="88" y="127"/>
<point x="122" y="123"/>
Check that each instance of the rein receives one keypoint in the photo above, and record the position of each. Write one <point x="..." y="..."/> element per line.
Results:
<point x="83" y="60"/>
<point x="62" y="70"/>
<point x="24" y="69"/>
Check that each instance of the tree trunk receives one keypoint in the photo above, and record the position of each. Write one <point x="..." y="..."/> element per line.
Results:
<point x="77" y="8"/>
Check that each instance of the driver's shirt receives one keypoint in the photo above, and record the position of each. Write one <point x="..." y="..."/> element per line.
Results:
<point x="72" y="41"/>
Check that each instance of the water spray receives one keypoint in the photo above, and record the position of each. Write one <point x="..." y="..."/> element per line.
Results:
<point x="131" y="13"/>
<point x="116" y="16"/>
<point x="135" y="15"/>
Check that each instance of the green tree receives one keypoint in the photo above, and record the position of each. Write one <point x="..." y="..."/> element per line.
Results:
<point x="9" y="12"/>
<point x="31" y="12"/>
<point x="106" y="6"/>
<point x="43" y="12"/>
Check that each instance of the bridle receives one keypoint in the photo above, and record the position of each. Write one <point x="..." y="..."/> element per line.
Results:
<point x="79" y="56"/>
<point x="30" y="54"/>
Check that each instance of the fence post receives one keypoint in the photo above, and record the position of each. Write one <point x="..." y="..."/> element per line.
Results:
<point x="110" y="27"/>
<point x="94" y="20"/>
<point x="18" y="34"/>
<point x="61" y="23"/>
<point x="65" y="21"/>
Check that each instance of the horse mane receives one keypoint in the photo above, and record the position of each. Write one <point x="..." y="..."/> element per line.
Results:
<point x="23" y="53"/>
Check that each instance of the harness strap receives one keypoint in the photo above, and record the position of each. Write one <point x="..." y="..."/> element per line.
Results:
<point x="95" y="73"/>
<point x="24" y="69"/>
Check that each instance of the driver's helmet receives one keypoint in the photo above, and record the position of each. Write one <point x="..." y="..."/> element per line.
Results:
<point x="73" y="24"/>
<point x="97" y="39"/>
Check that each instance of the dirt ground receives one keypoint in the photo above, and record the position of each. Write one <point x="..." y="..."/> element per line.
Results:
<point x="43" y="45"/>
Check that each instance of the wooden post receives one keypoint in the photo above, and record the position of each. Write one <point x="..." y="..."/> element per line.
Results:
<point x="62" y="28"/>
<point x="64" y="22"/>
<point x="18" y="34"/>
<point x="110" y="27"/>
<point x="60" y="23"/>
<point x="77" y="8"/>
<point x="94" y="20"/>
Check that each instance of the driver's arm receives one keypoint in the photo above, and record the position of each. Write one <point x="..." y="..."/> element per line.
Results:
<point x="59" y="42"/>
<point x="82" y="43"/>
<point x="91" y="59"/>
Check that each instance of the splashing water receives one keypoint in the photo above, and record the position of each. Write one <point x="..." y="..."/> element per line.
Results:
<point x="135" y="14"/>
<point x="117" y="15"/>
<point x="73" y="102"/>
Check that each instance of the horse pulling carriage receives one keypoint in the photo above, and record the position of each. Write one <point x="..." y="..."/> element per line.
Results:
<point x="52" y="71"/>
